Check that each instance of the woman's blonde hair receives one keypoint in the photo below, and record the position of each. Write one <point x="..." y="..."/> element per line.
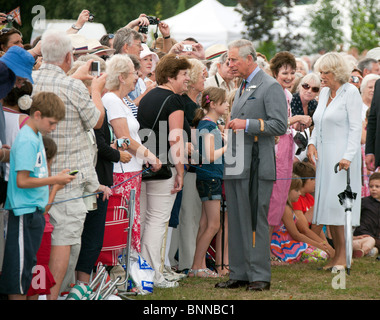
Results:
<point x="119" y="64"/>
<point x="195" y="71"/>
<point x="334" y="62"/>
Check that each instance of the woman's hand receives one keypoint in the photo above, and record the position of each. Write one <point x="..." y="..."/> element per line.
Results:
<point x="178" y="183"/>
<point x="156" y="165"/>
<point x="312" y="154"/>
<point x="344" y="164"/>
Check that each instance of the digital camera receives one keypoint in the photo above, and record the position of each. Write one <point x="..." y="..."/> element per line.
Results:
<point x="152" y="20"/>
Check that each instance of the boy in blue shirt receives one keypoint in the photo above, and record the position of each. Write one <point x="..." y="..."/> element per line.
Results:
<point x="28" y="194"/>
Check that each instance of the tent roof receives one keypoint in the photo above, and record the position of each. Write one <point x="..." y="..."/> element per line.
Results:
<point x="209" y="22"/>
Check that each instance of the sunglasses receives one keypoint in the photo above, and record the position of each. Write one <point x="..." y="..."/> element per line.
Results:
<point x="307" y="87"/>
<point x="111" y="36"/>
<point x="355" y="79"/>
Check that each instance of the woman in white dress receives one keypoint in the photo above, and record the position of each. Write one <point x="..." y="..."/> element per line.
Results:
<point x="336" y="139"/>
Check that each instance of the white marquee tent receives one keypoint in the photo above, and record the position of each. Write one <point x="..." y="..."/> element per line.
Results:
<point x="209" y="22"/>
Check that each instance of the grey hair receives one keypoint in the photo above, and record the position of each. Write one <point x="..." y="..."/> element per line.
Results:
<point x="245" y="47"/>
<point x="367" y="79"/>
<point x="366" y="63"/>
<point x="54" y="46"/>
<point x="119" y="64"/>
<point x="311" y="76"/>
<point x="125" y="36"/>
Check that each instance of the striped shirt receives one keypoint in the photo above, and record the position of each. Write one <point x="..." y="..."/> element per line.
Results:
<point x="73" y="149"/>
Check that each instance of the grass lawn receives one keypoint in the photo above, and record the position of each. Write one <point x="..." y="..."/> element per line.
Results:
<point x="291" y="282"/>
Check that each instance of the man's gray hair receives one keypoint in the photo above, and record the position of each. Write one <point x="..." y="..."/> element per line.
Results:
<point x="54" y="46"/>
<point x="125" y="36"/>
<point x="245" y="47"/>
<point x="366" y="63"/>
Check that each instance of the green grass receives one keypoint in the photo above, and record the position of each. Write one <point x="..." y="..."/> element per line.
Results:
<point x="291" y="282"/>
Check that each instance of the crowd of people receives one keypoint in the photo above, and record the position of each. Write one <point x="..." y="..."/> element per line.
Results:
<point x="224" y="148"/>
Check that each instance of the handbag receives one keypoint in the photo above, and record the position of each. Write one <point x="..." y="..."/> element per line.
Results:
<point x="165" y="172"/>
<point x="301" y="141"/>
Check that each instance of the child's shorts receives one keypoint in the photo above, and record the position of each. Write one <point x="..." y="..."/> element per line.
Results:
<point x="209" y="189"/>
<point x="24" y="235"/>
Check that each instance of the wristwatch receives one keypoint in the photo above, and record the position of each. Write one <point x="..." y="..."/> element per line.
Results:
<point x="75" y="27"/>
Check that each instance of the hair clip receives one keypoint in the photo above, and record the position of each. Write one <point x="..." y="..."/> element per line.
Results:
<point x="177" y="56"/>
<point x="207" y="99"/>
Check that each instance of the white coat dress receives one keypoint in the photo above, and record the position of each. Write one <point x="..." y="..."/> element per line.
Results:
<point x="336" y="136"/>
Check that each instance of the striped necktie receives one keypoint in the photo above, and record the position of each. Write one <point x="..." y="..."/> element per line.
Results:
<point x="243" y="85"/>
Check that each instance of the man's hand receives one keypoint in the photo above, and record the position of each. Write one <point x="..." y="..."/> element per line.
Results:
<point x="237" y="124"/>
<point x="370" y="162"/>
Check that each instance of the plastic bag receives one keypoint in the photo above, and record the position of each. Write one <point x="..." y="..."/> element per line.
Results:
<point x="141" y="273"/>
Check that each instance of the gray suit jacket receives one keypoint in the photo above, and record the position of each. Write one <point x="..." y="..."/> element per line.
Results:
<point x="264" y="99"/>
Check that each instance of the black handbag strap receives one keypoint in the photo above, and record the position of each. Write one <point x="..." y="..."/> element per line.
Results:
<point x="159" y="112"/>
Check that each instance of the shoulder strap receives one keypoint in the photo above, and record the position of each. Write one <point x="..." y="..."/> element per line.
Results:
<point x="159" y="112"/>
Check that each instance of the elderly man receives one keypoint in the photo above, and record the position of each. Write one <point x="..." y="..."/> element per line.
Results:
<point x="224" y="76"/>
<point x="372" y="145"/>
<point x="259" y="113"/>
<point x="82" y="114"/>
<point x="127" y="41"/>
<point x="368" y="66"/>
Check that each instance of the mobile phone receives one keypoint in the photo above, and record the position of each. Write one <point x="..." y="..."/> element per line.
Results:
<point x="73" y="173"/>
<point x="120" y="142"/>
<point x="187" y="47"/>
<point x="95" y="68"/>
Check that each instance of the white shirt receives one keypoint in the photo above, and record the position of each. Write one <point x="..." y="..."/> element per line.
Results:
<point x="116" y="108"/>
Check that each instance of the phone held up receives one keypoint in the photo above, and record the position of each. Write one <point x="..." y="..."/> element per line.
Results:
<point x="95" y="68"/>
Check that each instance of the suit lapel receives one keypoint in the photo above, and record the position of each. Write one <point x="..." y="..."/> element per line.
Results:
<point x="249" y="91"/>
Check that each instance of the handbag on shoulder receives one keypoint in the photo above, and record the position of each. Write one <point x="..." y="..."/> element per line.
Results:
<point x="165" y="172"/>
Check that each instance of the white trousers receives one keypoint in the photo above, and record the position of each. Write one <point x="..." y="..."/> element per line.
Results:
<point x="156" y="203"/>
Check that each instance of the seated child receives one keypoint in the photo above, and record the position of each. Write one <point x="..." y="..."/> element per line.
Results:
<point x="288" y="243"/>
<point x="367" y="236"/>
<point x="28" y="194"/>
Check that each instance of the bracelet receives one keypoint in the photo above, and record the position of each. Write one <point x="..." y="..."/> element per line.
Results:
<point x="75" y="27"/>
<point x="261" y="125"/>
<point x="168" y="37"/>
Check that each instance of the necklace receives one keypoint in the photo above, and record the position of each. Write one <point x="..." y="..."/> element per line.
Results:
<point x="331" y="96"/>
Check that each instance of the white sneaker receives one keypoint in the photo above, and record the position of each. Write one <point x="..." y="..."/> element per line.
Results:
<point x="166" y="284"/>
<point x="373" y="252"/>
<point x="171" y="275"/>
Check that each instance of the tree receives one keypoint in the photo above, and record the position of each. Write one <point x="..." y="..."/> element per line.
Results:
<point x="365" y="24"/>
<point x="326" y="27"/>
<point x="259" y="17"/>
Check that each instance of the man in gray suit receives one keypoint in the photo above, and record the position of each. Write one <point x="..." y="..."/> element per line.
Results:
<point x="259" y="112"/>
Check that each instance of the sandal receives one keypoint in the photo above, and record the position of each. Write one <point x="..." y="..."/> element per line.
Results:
<point x="276" y="261"/>
<point x="207" y="273"/>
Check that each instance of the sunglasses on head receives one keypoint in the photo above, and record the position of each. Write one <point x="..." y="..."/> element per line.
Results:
<point x="111" y="36"/>
<point x="307" y="87"/>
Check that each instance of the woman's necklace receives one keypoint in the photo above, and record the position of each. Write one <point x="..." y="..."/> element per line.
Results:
<point x="331" y="96"/>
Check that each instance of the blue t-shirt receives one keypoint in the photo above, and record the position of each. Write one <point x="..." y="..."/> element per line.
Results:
<point x="27" y="154"/>
<point x="214" y="170"/>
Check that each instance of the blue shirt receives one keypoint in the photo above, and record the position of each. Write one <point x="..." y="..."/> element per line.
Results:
<point x="214" y="170"/>
<point x="27" y="154"/>
<point x="250" y="77"/>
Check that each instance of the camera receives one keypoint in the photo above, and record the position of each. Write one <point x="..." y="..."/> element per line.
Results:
<point x="95" y="68"/>
<point x="152" y="20"/>
<point x="121" y="141"/>
<point x="187" y="47"/>
<point x="91" y="17"/>
<point x="10" y="18"/>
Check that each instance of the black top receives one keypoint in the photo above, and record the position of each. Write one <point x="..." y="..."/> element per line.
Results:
<point x="296" y="106"/>
<point x="106" y="154"/>
<point x="369" y="219"/>
<point x="190" y="108"/>
<point x="147" y="113"/>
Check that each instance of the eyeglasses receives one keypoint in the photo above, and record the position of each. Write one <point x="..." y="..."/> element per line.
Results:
<point x="111" y="36"/>
<point x="307" y="87"/>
